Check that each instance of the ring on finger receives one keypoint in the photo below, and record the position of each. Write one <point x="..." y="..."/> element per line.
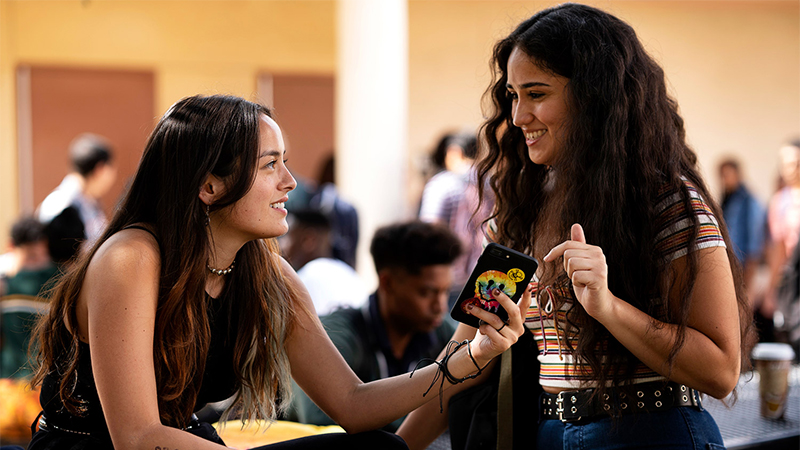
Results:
<point x="504" y="325"/>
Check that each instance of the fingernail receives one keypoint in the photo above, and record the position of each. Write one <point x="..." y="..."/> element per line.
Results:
<point x="495" y="291"/>
<point x="470" y="306"/>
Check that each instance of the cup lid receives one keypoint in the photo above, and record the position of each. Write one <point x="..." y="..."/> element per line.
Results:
<point x="773" y="351"/>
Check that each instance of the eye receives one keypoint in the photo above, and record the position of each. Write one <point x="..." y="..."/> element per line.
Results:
<point x="535" y="95"/>
<point x="270" y="165"/>
<point x="511" y="95"/>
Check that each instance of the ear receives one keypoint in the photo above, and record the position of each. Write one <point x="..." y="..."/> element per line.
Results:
<point x="385" y="279"/>
<point x="211" y="190"/>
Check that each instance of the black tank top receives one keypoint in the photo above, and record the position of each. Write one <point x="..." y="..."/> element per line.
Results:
<point x="219" y="381"/>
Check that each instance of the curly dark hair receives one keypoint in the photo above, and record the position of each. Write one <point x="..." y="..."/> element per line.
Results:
<point x="625" y="142"/>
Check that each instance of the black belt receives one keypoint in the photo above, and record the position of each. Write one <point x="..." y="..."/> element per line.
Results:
<point x="43" y="424"/>
<point x="571" y="406"/>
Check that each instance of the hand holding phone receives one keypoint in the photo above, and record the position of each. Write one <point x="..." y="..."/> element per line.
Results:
<point x="498" y="267"/>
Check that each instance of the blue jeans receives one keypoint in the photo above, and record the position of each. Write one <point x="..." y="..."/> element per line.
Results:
<point x="676" y="428"/>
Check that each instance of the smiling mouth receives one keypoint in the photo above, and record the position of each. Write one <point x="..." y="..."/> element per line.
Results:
<point x="531" y="135"/>
<point x="278" y="205"/>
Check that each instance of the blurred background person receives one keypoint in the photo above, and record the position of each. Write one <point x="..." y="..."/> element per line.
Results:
<point x="783" y="300"/>
<point x="34" y="266"/>
<point x="450" y="198"/>
<point x="403" y="321"/>
<point x="331" y="282"/>
<point x="745" y="217"/>
<point x="72" y="213"/>
<point x="35" y="272"/>
<point x="342" y="214"/>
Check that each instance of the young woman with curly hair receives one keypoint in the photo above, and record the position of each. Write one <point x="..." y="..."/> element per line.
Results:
<point x="638" y="305"/>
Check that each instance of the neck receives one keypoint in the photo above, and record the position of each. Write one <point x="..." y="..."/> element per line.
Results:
<point x="399" y="336"/>
<point x="224" y="246"/>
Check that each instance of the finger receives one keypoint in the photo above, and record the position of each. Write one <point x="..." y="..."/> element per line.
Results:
<point x="526" y="300"/>
<point x="577" y="234"/>
<point x="578" y="262"/>
<point x="556" y="252"/>
<point x="587" y="278"/>
<point x="493" y="333"/>
<point x="490" y="319"/>
<point x="562" y="248"/>
<point x="524" y="304"/>
<point x="508" y="305"/>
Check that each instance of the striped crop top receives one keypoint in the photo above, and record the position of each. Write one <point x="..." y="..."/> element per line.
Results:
<point x="548" y="326"/>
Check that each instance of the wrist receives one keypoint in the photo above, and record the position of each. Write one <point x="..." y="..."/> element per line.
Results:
<point x="609" y="312"/>
<point x="476" y="357"/>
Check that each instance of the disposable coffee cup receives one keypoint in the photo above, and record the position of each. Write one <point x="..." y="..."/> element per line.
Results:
<point x="773" y="361"/>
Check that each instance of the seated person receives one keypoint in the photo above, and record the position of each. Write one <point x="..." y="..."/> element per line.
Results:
<point x="403" y="321"/>
<point x="34" y="267"/>
<point x="331" y="282"/>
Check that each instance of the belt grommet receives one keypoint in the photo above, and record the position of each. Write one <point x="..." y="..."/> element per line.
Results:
<point x="685" y="398"/>
<point x="549" y="401"/>
<point x="622" y="395"/>
<point x="658" y="404"/>
<point x="606" y="407"/>
<point x="640" y="405"/>
<point x="605" y="397"/>
<point x="657" y="393"/>
<point x="624" y="406"/>
<point x="574" y="399"/>
<point x="574" y="410"/>
<point x="683" y="388"/>
<point x="640" y="394"/>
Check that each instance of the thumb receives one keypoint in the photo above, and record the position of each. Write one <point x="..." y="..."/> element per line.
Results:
<point x="577" y="234"/>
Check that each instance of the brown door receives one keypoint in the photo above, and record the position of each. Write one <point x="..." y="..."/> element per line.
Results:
<point x="56" y="104"/>
<point x="304" y="109"/>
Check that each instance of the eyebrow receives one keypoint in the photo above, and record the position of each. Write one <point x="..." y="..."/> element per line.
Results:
<point x="269" y="153"/>
<point x="528" y="85"/>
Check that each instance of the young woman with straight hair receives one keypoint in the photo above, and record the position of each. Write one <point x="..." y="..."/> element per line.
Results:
<point x="185" y="300"/>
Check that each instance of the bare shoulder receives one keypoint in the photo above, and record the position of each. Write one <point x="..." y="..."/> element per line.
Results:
<point x="128" y="255"/>
<point x="121" y="283"/>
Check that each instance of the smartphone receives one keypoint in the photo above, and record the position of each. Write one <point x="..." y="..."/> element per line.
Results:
<point x="498" y="267"/>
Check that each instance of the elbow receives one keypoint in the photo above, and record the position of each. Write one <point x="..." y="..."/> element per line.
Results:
<point x="723" y="383"/>
<point x="352" y="427"/>
<point x="138" y="439"/>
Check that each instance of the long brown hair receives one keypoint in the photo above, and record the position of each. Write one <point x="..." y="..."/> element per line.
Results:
<point x="197" y="137"/>
<point x="625" y="144"/>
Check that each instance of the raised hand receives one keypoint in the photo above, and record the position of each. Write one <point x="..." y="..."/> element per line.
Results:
<point x="586" y="266"/>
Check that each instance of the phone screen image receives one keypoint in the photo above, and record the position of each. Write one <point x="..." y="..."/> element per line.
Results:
<point x="498" y="267"/>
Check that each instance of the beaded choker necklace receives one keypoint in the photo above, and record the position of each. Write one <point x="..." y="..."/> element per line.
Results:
<point x="221" y="272"/>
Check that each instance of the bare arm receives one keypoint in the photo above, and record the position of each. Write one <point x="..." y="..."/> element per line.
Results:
<point x="116" y="316"/>
<point x="710" y="357"/>
<point x="426" y="423"/>
<point x="323" y="374"/>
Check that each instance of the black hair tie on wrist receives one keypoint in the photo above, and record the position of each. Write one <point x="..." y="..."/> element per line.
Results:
<point x="443" y="373"/>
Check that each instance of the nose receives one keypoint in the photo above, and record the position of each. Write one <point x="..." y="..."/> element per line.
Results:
<point x="289" y="183"/>
<point x="520" y="114"/>
<point x="440" y="302"/>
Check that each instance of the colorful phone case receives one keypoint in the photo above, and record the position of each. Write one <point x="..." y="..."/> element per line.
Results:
<point x="498" y="267"/>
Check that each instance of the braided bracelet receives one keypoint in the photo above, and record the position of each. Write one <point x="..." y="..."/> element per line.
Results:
<point x="443" y="373"/>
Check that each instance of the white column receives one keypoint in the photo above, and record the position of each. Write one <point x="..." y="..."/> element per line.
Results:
<point x="372" y="115"/>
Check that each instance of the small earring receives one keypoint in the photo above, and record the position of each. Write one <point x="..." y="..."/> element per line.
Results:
<point x="208" y="218"/>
